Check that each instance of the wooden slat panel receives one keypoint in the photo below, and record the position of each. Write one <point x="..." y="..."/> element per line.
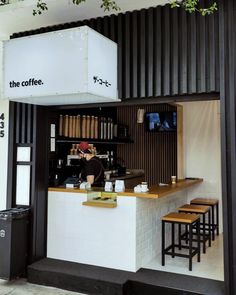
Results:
<point x="153" y="152"/>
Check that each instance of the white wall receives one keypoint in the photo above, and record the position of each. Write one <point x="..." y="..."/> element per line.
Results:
<point x="4" y="108"/>
<point x="201" y="121"/>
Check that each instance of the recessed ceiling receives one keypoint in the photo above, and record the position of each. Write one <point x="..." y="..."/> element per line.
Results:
<point x="17" y="17"/>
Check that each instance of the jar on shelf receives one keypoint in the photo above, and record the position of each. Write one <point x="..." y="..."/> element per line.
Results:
<point x="92" y="124"/>
<point x="61" y="125"/>
<point x="96" y="127"/>
<point x="84" y="120"/>
<point x="88" y="127"/>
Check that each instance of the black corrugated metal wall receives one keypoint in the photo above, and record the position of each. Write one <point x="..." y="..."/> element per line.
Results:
<point x="228" y="137"/>
<point x="162" y="52"/>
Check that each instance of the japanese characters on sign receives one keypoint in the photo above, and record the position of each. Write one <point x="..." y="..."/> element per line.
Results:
<point x="2" y="125"/>
<point x="96" y="79"/>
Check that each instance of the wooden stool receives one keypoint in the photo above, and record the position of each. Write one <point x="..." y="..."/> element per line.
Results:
<point x="190" y="220"/>
<point x="202" y="210"/>
<point x="214" y="203"/>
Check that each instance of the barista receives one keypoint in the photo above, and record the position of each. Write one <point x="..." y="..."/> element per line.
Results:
<point x="93" y="170"/>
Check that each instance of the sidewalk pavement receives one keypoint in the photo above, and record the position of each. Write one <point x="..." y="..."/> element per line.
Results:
<point x="21" y="287"/>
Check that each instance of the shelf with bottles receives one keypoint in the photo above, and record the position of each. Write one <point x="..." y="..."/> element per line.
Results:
<point x="94" y="129"/>
<point x="62" y="139"/>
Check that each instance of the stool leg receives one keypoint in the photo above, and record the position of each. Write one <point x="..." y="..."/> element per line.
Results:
<point x="217" y="219"/>
<point x="186" y="234"/>
<point x="198" y="241"/>
<point x="213" y="222"/>
<point x="204" y="233"/>
<point x="180" y="246"/>
<point x="163" y="244"/>
<point x="209" y="227"/>
<point x="190" y="247"/>
<point x="173" y="239"/>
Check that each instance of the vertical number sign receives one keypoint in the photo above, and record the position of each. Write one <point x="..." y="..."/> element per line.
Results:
<point x="2" y="125"/>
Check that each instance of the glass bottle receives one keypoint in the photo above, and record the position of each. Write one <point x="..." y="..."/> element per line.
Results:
<point x="92" y="127"/>
<point x="96" y="128"/>
<point x="61" y="125"/>
<point x="84" y="126"/>
<point x="88" y="127"/>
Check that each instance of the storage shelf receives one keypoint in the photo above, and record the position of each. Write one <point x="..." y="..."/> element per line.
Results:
<point x="100" y="204"/>
<point x="104" y="141"/>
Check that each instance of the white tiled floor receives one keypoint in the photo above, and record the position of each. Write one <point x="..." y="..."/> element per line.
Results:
<point x="211" y="265"/>
<point x="21" y="287"/>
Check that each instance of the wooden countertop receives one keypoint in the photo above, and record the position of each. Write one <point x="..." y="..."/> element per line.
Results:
<point x="154" y="192"/>
<point x="67" y="190"/>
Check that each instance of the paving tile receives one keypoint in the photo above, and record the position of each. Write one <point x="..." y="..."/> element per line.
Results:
<point x="21" y="287"/>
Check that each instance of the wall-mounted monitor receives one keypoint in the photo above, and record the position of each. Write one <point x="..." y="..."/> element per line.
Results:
<point x="161" y="121"/>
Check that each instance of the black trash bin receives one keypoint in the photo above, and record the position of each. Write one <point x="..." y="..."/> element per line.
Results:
<point x="13" y="242"/>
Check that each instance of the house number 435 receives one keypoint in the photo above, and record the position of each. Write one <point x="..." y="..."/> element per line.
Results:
<point x="2" y="125"/>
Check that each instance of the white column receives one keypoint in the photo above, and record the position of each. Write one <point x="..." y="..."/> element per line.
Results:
<point x="4" y="109"/>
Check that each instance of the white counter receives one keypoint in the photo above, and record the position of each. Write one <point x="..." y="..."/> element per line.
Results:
<point x="126" y="237"/>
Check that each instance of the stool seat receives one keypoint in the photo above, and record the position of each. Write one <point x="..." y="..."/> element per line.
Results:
<point x="194" y="208"/>
<point x="214" y="203"/>
<point x="205" y="201"/>
<point x="180" y="217"/>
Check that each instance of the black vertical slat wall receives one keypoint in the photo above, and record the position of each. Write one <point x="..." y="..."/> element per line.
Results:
<point x="183" y="56"/>
<point x="228" y="137"/>
<point x="157" y="57"/>
<point x="161" y="51"/>
<point x="28" y="128"/>
<point x="134" y="55"/>
<point x="24" y="119"/>
<point x="150" y="53"/>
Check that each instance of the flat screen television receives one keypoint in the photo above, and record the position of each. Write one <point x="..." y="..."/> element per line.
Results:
<point x="161" y="121"/>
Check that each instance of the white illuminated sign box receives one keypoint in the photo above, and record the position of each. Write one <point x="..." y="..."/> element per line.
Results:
<point x="64" y="67"/>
